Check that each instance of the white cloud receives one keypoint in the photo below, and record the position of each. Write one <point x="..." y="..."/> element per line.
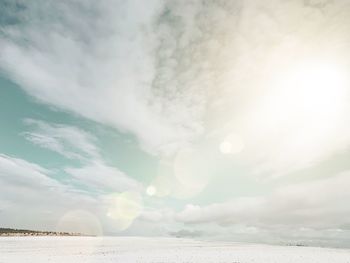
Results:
<point x="175" y="71"/>
<point x="318" y="204"/>
<point x="104" y="178"/>
<point x="96" y="62"/>
<point x="158" y="215"/>
<point x="310" y="213"/>
<point x="68" y="141"/>
<point x="33" y="198"/>
<point x="75" y="143"/>
<point x="19" y="169"/>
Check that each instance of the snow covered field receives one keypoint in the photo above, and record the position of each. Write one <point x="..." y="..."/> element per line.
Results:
<point x="157" y="250"/>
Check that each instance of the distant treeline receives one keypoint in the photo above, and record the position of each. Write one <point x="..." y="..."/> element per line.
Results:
<point x="24" y="232"/>
<point x="10" y="230"/>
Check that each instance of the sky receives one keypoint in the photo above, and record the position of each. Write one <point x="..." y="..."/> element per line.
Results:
<point x="205" y="119"/>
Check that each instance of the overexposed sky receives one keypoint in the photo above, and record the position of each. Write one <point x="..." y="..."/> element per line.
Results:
<point x="214" y="119"/>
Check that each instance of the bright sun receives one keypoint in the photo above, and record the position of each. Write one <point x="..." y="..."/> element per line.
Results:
<point x="307" y="93"/>
<point x="316" y="89"/>
<point x="298" y="114"/>
<point x="303" y="109"/>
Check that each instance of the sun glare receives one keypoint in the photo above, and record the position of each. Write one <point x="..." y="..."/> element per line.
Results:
<point x="301" y="112"/>
<point x="306" y="93"/>
<point x="316" y="89"/>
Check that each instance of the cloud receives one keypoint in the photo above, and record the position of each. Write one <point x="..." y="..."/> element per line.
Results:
<point x="193" y="74"/>
<point x="103" y="178"/>
<point x="19" y="169"/>
<point x="183" y="233"/>
<point x="317" y="204"/>
<point x="44" y="202"/>
<point x="177" y="73"/>
<point x="68" y="141"/>
<point x="157" y="215"/>
<point x="309" y="213"/>
<point x="75" y="143"/>
<point x="96" y="62"/>
<point x="226" y="59"/>
<point x="31" y="191"/>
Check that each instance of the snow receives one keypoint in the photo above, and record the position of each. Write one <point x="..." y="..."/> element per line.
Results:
<point x="156" y="250"/>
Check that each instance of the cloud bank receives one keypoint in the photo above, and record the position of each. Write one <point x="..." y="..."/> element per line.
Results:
<point x="175" y="73"/>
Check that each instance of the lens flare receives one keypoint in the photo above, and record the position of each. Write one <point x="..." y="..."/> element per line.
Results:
<point x="125" y="208"/>
<point x="233" y="144"/>
<point x="80" y="221"/>
<point x="151" y="190"/>
<point x="191" y="171"/>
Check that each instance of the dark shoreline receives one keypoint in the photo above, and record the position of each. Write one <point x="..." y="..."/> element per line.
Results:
<point x="25" y="232"/>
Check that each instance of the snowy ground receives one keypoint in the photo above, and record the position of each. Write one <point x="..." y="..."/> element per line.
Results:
<point x="157" y="250"/>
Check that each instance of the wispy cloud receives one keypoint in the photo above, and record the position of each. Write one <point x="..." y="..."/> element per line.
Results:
<point x="101" y="177"/>
<point x="175" y="72"/>
<point x="24" y="184"/>
<point x="44" y="202"/>
<point x="66" y="140"/>
<point x="96" y="62"/>
<point x="75" y="143"/>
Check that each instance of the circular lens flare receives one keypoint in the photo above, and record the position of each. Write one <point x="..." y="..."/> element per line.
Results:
<point x="151" y="190"/>
<point x="233" y="144"/>
<point x="192" y="171"/>
<point x="125" y="208"/>
<point x="80" y="222"/>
